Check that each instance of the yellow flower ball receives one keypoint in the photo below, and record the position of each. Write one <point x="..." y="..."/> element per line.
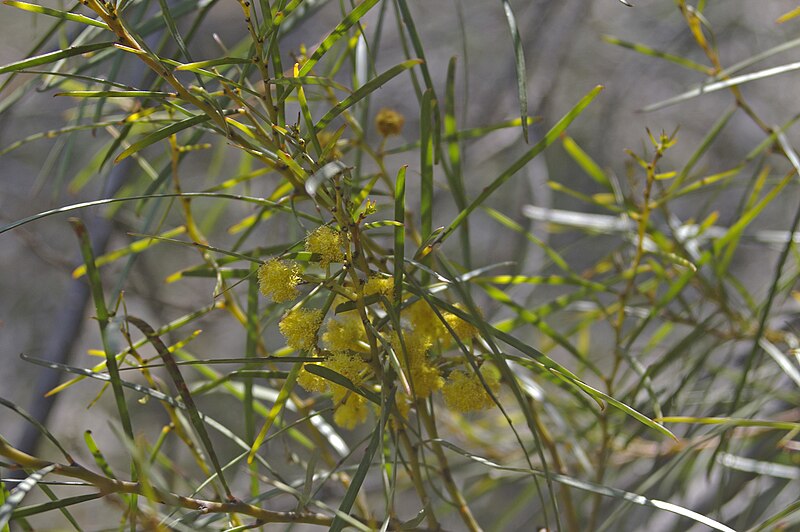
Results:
<point x="416" y="348"/>
<point x="425" y="380"/>
<point x="278" y="279"/>
<point x="351" y="366"/>
<point x="327" y="243"/>
<point x="425" y="322"/>
<point x="403" y="404"/>
<point x="389" y="122"/>
<point x="345" y="333"/>
<point x="462" y="328"/>
<point x="352" y="412"/>
<point x="300" y="327"/>
<point x="379" y="285"/>
<point x="311" y="382"/>
<point x="464" y="392"/>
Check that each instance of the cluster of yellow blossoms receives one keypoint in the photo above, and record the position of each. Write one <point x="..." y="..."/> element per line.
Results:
<point x="278" y="280"/>
<point x="465" y="392"/>
<point x="300" y="326"/>
<point x="418" y="345"/>
<point x="327" y="243"/>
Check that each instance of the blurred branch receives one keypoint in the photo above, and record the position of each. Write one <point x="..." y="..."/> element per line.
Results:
<point x="109" y="485"/>
<point x="68" y="321"/>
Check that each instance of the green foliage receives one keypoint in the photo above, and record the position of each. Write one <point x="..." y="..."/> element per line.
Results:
<point x="371" y="351"/>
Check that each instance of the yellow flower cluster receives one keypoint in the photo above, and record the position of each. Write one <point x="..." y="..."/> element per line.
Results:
<point x="345" y="333"/>
<point x="300" y="327"/>
<point x="351" y="366"/>
<point x="417" y="345"/>
<point x="462" y="328"/>
<point x="327" y="243"/>
<point x="379" y="285"/>
<point x="424" y="376"/>
<point x="464" y="391"/>
<point x="352" y="412"/>
<point x="310" y="381"/>
<point x="389" y="122"/>
<point x="352" y="408"/>
<point x="278" y="280"/>
<point x="403" y="404"/>
<point x="425" y="322"/>
<point x="425" y="379"/>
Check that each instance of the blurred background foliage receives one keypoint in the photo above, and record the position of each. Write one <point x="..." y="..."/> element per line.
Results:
<point x="713" y="352"/>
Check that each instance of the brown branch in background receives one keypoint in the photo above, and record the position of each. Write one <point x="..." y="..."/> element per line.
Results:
<point x="109" y="485"/>
<point x="68" y="322"/>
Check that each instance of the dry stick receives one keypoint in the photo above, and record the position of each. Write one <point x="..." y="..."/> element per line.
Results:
<point x="186" y="396"/>
<point x="695" y="27"/>
<point x="416" y="478"/>
<point x="447" y="474"/>
<point x="128" y="42"/>
<point x="70" y="319"/>
<point x="569" y="507"/>
<point x="109" y="485"/>
<point x="605" y="446"/>
<point x="304" y="410"/>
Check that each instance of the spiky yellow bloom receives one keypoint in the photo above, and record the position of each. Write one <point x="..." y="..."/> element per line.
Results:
<point x="425" y="379"/>
<point x="464" y="392"/>
<point x="351" y="366"/>
<point x="352" y="412"/>
<point x="278" y="280"/>
<point x="425" y="322"/>
<point x="389" y="122"/>
<point x="327" y="243"/>
<point x="311" y="382"/>
<point x="462" y="328"/>
<point x="345" y="333"/>
<point x="379" y="285"/>
<point x="424" y="376"/>
<point x="300" y="327"/>
<point x="416" y="348"/>
<point x="403" y="404"/>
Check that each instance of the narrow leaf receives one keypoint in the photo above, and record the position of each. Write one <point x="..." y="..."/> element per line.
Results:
<point x="399" y="233"/>
<point x="17" y="494"/>
<point x="52" y="57"/>
<point x="361" y="474"/>
<point x="103" y="316"/>
<point x="135" y="247"/>
<point x="646" y="50"/>
<point x="734" y="422"/>
<point x="183" y="391"/>
<point x="338" y="32"/>
<point x="117" y="94"/>
<point x="426" y="164"/>
<point x="199" y="65"/>
<point x="75" y="17"/>
<point x="519" y="67"/>
<point x="719" y="85"/>
<point x="36" y="509"/>
<point x="363" y="91"/>
<point x="277" y="408"/>
<point x="162" y="134"/>
<point x="535" y="150"/>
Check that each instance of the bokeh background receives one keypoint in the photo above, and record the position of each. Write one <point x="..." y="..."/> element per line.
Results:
<point x="566" y="56"/>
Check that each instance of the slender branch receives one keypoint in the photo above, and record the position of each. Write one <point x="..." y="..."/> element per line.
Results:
<point x="109" y="485"/>
<point x="447" y="475"/>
